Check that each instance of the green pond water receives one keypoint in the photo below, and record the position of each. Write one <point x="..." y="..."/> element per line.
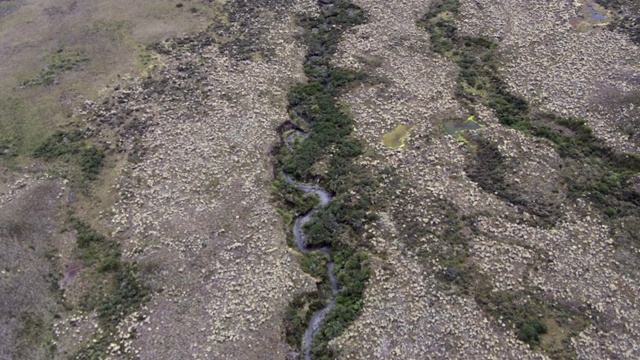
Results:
<point x="452" y="127"/>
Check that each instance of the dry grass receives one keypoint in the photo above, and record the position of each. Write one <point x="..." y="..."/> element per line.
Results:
<point x="112" y="34"/>
<point x="28" y="300"/>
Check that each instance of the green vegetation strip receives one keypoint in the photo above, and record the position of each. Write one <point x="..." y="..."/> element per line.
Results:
<point x="115" y="291"/>
<point x="340" y="224"/>
<point x="60" y="61"/>
<point x="118" y="293"/>
<point x="590" y="170"/>
<point x="593" y="170"/>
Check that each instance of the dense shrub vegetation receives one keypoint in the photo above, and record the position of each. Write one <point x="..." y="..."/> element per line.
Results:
<point x="340" y="224"/>
<point x="71" y="147"/>
<point x="530" y="331"/>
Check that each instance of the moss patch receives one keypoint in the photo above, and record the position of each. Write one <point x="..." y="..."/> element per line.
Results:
<point x="396" y="137"/>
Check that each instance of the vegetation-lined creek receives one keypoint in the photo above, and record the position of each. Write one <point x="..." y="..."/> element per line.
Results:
<point x="298" y="233"/>
<point x="328" y="231"/>
<point x="318" y="317"/>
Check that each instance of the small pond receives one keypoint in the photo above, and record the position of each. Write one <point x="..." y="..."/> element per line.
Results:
<point x="595" y="15"/>
<point x="452" y="127"/>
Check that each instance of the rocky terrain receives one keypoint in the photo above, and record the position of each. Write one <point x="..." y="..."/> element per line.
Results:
<point x="574" y="262"/>
<point x="150" y="221"/>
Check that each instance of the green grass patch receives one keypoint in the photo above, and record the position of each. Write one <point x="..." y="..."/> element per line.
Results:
<point x="21" y="130"/>
<point x="59" y="61"/>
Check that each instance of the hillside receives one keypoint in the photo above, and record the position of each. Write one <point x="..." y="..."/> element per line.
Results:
<point x="333" y="179"/>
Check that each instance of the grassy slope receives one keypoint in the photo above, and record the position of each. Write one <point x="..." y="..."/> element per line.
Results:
<point x="111" y="35"/>
<point x="55" y="56"/>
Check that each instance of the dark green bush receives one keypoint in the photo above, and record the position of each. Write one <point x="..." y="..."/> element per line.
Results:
<point x="530" y="332"/>
<point x="91" y="162"/>
<point x="59" y="144"/>
<point x="295" y="199"/>
<point x="70" y="146"/>
<point x="128" y="295"/>
<point x="86" y="235"/>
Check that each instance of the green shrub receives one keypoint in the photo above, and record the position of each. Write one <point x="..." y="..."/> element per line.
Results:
<point x="86" y="235"/>
<point x="70" y="146"/>
<point x="59" y="144"/>
<point x="530" y="332"/>
<point x="91" y="162"/>
<point x="128" y="295"/>
<point x="110" y="264"/>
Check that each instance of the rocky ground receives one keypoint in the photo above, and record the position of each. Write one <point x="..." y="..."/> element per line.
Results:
<point x="197" y="209"/>
<point x="187" y="195"/>
<point x="574" y="261"/>
<point x="565" y="62"/>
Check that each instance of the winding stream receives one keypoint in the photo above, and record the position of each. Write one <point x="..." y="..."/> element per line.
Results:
<point x="321" y="37"/>
<point x="325" y="197"/>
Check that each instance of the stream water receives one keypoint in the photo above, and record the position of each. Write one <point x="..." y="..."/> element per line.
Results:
<point x="318" y="317"/>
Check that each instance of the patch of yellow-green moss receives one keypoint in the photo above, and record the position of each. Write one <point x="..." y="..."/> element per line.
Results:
<point x="396" y="137"/>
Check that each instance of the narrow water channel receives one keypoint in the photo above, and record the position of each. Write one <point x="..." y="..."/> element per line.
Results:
<point x="323" y="32"/>
<point x="318" y="317"/>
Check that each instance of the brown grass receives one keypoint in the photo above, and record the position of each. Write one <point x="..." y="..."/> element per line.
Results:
<point x="112" y="33"/>
<point x="28" y="302"/>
